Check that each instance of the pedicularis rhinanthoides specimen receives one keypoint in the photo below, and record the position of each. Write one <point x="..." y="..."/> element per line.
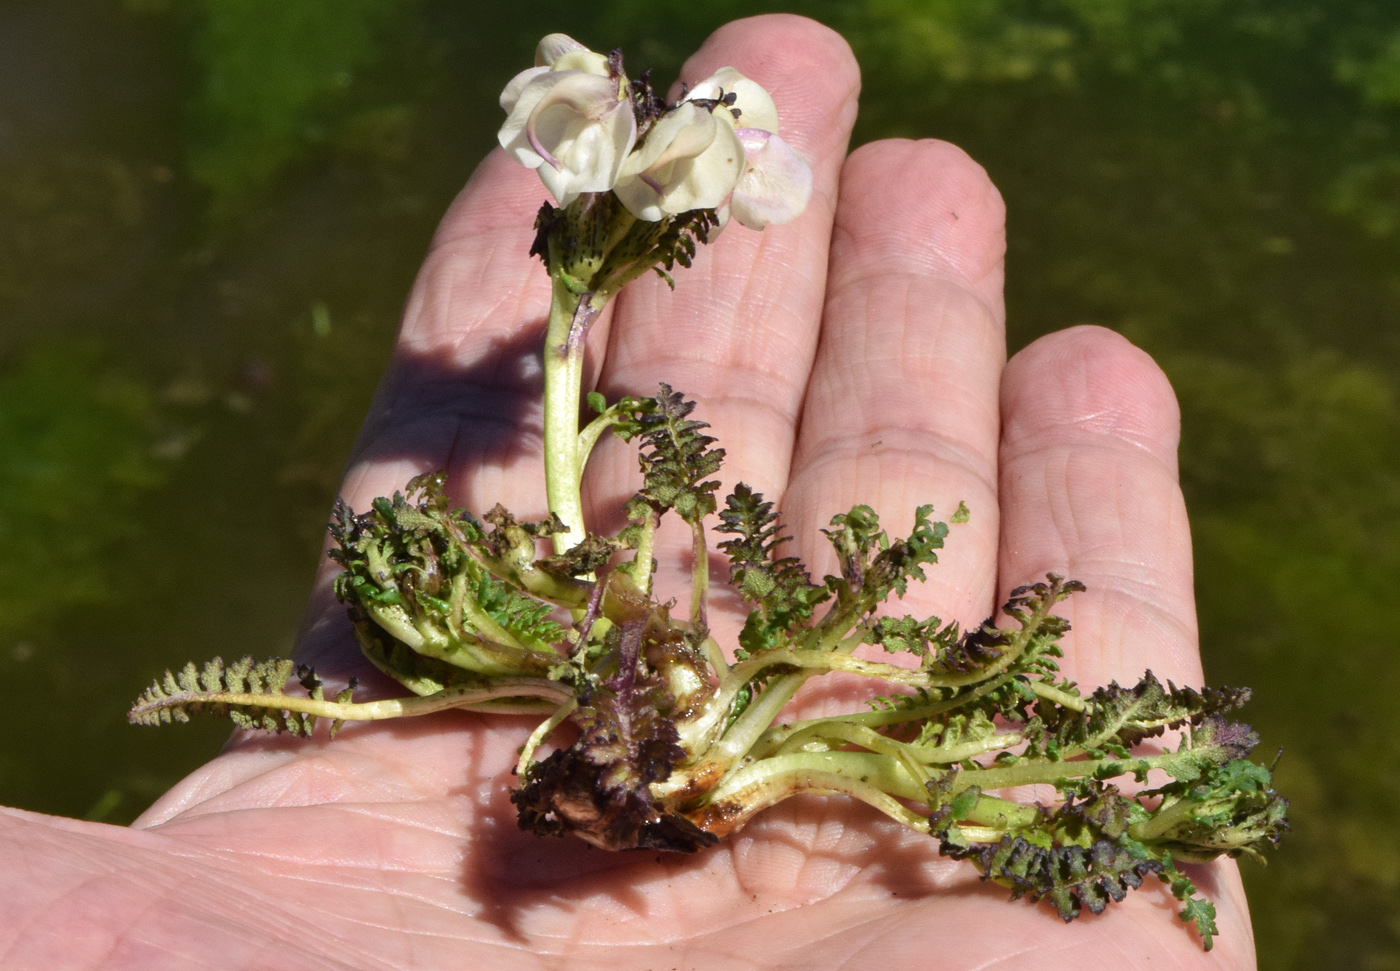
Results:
<point x="676" y="746"/>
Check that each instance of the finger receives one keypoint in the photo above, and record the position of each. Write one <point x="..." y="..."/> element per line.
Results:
<point x="902" y="409"/>
<point x="739" y="331"/>
<point x="1089" y="490"/>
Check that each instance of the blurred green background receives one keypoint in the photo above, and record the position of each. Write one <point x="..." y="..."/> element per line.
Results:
<point x="211" y="210"/>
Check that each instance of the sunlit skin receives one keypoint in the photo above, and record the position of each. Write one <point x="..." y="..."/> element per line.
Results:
<point x="857" y="355"/>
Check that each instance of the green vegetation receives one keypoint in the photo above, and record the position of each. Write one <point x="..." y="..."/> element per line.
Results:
<point x="272" y="74"/>
<point x="80" y="445"/>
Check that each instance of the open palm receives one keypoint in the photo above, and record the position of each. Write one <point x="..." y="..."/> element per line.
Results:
<point x="857" y="355"/>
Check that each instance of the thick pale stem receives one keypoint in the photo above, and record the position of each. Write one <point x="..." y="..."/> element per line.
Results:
<point x="570" y="315"/>
<point x="836" y="733"/>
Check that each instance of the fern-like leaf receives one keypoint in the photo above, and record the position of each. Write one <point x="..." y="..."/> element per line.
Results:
<point x="249" y="694"/>
<point x="780" y="586"/>
<point x="676" y="458"/>
<point x="873" y="566"/>
<point x="1115" y="718"/>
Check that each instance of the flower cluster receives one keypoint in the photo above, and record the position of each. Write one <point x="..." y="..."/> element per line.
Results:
<point x="578" y="121"/>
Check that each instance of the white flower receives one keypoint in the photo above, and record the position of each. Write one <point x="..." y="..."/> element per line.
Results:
<point x="776" y="183"/>
<point x="689" y="160"/>
<point x="569" y="119"/>
<point x="752" y="104"/>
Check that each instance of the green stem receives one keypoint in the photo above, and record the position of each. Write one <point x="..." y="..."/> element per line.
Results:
<point x="998" y="816"/>
<point x="875" y="779"/>
<point x="588" y="437"/>
<point x="778" y="734"/>
<point x="1060" y="697"/>
<point x="1036" y="771"/>
<point x="570" y="315"/>
<point x="645" y="557"/>
<point x="537" y="738"/>
<point x="837" y="733"/>
<point x="1166" y="816"/>
<point x="463" y="697"/>
<point x="700" y="578"/>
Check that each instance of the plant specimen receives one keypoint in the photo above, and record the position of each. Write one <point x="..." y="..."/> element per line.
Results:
<point x="675" y="746"/>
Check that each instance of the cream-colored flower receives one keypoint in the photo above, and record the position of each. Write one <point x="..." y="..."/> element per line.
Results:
<point x="569" y="119"/>
<point x="776" y="183"/>
<point x="751" y="105"/>
<point x="688" y="160"/>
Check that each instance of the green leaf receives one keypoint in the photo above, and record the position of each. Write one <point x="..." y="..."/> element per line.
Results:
<point x="676" y="458"/>
<point x="174" y="697"/>
<point x="780" y="586"/>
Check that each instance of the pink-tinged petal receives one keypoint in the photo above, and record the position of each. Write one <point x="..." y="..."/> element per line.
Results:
<point x="533" y="137"/>
<point x="776" y="184"/>
<point x="754" y="140"/>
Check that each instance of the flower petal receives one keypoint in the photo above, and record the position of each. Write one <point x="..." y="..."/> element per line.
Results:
<point x="554" y="46"/>
<point x="588" y="152"/>
<point x="575" y="128"/>
<point x="560" y="52"/>
<point x="755" y="105"/>
<point x="687" y="161"/>
<point x="587" y="61"/>
<point x="512" y="134"/>
<point x="511" y="95"/>
<point x="776" y="184"/>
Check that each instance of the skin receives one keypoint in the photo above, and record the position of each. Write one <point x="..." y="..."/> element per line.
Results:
<point x="857" y="355"/>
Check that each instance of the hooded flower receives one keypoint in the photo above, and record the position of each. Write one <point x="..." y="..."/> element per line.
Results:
<point x="569" y="118"/>
<point x="776" y="183"/>
<point x="689" y="161"/>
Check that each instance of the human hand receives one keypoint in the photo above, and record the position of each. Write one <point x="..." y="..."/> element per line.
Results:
<point x="857" y="355"/>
